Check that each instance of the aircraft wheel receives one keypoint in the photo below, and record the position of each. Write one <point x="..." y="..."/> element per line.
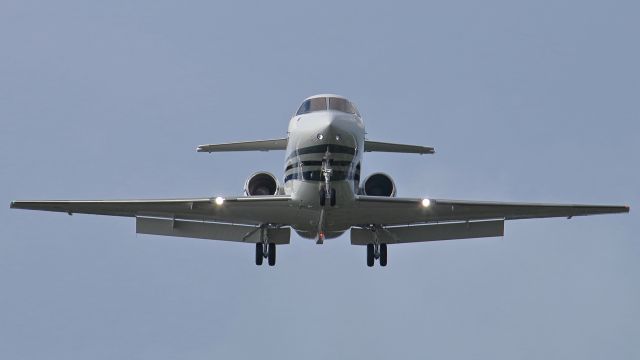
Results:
<point x="323" y="197"/>
<point x="370" y="255"/>
<point x="259" y="254"/>
<point x="333" y="197"/>
<point x="383" y="254"/>
<point x="272" y="254"/>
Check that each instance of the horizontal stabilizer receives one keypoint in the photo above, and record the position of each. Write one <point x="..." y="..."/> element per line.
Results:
<point x="259" y="145"/>
<point x="398" y="148"/>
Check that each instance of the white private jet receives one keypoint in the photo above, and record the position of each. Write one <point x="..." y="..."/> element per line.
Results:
<point x="321" y="196"/>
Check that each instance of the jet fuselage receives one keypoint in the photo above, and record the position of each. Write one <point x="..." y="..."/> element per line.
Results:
<point x="324" y="151"/>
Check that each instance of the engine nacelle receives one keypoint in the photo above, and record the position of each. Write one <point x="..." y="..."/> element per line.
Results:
<point x="379" y="184"/>
<point x="261" y="183"/>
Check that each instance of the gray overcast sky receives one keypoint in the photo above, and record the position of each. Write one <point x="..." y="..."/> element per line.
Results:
<point x="524" y="101"/>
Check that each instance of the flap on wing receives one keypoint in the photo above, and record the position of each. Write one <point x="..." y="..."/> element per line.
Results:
<point x="259" y="145"/>
<point x="419" y="233"/>
<point x="209" y="230"/>
<point x="399" y="148"/>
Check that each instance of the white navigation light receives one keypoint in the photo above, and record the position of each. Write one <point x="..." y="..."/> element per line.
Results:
<point x="219" y="200"/>
<point x="320" y="136"/>
<point x="426" y="202"/>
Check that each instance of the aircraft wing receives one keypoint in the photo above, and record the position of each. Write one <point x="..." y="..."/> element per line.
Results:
<point x="406" y="211"/>
<point x="254" y="210"/>
<point x="405" y="220"/>
<point x="259" y="145"/>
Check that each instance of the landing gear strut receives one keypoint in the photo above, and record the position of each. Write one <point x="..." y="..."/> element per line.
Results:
<point x="327" y="191"/>
<point x="376" y="251"/>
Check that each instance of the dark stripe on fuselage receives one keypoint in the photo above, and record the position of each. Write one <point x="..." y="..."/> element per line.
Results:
<point x="319" y="163"/>
<point x="318" y="176"/>
<point x="321" y="149"/>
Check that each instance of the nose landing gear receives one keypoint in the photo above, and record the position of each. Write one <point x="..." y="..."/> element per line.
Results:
<point x="331" y="196"/>
<point x="323" y="196"/>
<point x="326" y="191"/>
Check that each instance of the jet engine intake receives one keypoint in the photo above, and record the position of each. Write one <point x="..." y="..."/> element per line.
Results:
<point x="379" y="184"/>
<point x="261" y="183"/>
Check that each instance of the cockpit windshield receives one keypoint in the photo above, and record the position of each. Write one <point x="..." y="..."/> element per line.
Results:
<point x="311" y="105"/>
<point x="324" y="103"/>
<point x="340" y="104"/>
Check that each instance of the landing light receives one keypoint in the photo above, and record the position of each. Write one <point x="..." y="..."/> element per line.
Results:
<point x="219" y="200"/>
<point x="426" y="202"/>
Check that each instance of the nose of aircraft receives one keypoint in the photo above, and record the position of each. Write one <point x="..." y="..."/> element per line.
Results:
<point x="330" y="126"/>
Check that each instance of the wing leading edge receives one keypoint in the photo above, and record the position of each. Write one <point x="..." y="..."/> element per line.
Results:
<point x="440" y="220"/>
<point x="405" y="220"/>
<point x="254" y="210"/>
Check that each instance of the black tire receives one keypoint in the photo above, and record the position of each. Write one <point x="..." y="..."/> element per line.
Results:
<point x="272" y="254"/>
<point x="333" y="197"/>
<point x="370" y="255"/>
<point x="383" y="254"/>
<point x="323" y="197"/>
<point x="259" y="254"/>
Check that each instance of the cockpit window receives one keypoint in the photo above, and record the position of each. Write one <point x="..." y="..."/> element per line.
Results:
<point x="323" y="103"/>
<point x="311" y="105"/>
<point x="343" y="105"/>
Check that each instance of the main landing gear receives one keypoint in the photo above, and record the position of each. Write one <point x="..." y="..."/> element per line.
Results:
<point x="264" y="248"/>
<point x="376" y="251"/>
<point x="266" y="251"/>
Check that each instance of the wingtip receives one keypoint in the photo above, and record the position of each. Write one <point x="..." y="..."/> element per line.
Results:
<point x="203" y="148"/>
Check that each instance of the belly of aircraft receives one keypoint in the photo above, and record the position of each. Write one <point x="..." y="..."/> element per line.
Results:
<point x="307" y="195"/>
